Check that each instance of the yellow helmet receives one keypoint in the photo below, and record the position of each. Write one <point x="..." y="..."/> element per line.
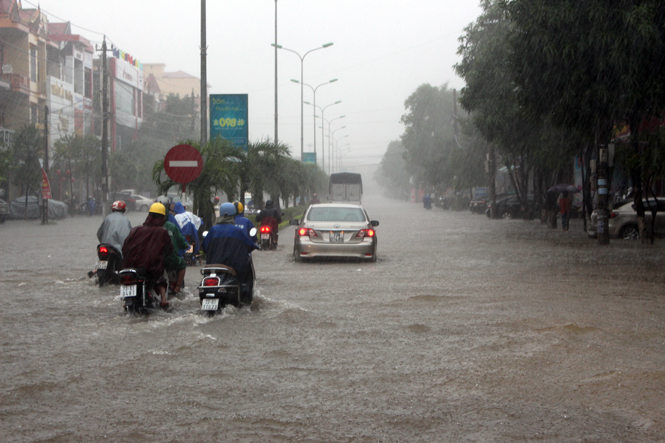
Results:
<point x="158" y="208"/>
<point x="239" y="207"/>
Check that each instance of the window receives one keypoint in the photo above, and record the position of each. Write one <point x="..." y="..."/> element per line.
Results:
<point x="33" y="64"/>
<point x="335" y="214"/>
<point x="34" y="114"/>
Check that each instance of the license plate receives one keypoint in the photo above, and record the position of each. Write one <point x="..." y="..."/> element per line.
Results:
<point x="209" y="304"/>
<point x="265" y="236"/>
<point x="128" y="291"/>
<point x="336" y="237"/>
<point x="102" y="264"/>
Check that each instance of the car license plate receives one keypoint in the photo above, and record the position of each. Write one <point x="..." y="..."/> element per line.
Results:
<point x="128" y="291"/>
<point x="336" y="237"/>
<point x="102" y="264"/>
<point x="265" y="236"/>
<point x="209" y="304"/>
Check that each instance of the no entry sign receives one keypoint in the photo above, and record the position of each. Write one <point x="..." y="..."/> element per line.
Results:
<point x="183" y="163"/>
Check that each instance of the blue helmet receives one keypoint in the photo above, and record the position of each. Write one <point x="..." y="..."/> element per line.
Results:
<point x="227" y="209"/>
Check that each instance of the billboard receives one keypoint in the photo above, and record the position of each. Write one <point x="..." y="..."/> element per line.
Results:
<point x="309" y="158"/>
<point x="228" y="118"/>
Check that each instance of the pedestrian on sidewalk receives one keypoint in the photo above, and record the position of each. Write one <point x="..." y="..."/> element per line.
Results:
<point x="565" y="203"/>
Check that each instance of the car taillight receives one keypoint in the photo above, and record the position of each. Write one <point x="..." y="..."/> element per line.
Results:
<point x="265" y="229"/>
<point x="613" y="214"/>
<point x="304" y="232"/>
<point x="211" y="281"/>
<point x="128" y="279"/>
<point x="365" y="233"/>
<point x="103" y="251"/>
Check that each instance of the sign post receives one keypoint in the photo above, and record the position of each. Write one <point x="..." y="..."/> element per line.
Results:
<point x="183" y="164"/>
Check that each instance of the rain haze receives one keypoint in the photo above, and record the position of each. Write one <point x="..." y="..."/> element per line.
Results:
<point x="382" y="51"/>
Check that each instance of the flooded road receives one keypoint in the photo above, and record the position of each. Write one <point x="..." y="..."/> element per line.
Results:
<point x="465" y="330"/>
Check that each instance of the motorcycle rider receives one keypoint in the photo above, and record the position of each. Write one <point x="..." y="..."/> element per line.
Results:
<point x="243" y="222"/>
<point x="115" y="227"/>
<point x="270" y="216"/>
<point x="147" y="246"/>
<point x="174" y="262"/>
<point x="187" y="226"/>
<point x="227" y="244"/>
<point x="315" y="200"/>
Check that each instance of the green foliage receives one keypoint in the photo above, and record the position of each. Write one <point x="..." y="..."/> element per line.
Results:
<point x="80" y="155"/>
<point x="28" y="149"/>
<point x="392" y="174"/>
<point x="6" y="161"/>
<point x="429" y="136"/>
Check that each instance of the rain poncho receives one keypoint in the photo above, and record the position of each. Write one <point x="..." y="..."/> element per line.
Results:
<point x="226" y="244"/>
<point x="147" y="246"/>
<point x="245" y="224"/>
<point x="114" y="230"/>
<point x="187" y="227"/>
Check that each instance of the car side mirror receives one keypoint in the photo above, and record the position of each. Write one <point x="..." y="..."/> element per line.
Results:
<point x="294" y="222"/>
<point x="252" y="232"/>
<point x="374" y="223"/>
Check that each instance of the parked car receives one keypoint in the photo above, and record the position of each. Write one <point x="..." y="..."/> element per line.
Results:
<point x="142" y="203"/>
<point x="478" y="206"/>
<point x="622" y="221"/>
<point x="509" y="207"/>
<point x="18" y="208"/>
<point x="335" y="230"/>
<point x="4" y="210"/>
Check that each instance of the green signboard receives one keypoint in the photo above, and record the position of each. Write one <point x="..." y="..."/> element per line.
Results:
<point x="228" y="118"/>
<point x="309" y="158"/>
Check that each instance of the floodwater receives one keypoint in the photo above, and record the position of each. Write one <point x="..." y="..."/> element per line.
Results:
<point x="466" y="330"/>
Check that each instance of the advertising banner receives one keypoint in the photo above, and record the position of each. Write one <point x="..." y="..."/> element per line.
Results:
<point x="309" y="158"/>
<point x="228" y="118"/>
<point x="61" y="102"/>
<point x="46" y="186"/>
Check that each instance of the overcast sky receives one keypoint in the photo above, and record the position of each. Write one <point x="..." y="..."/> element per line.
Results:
<point x="383" y="50"/>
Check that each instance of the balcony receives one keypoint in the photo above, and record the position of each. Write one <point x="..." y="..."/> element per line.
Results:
<point x="18" y="82"/>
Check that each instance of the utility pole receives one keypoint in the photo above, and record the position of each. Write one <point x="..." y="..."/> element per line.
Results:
<point x="105" y="136"/>
<point x="204" y="80"/>
<point x="45" y="206"/>
<point x="603" y="196"/>
<point x="276" y="48"/>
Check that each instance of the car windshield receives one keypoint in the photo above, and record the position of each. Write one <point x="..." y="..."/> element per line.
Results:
<point x="319" y="213"/>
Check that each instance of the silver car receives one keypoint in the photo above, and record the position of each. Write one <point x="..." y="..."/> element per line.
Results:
<point x="335" y="230"/>
<point x="622" y="222"/>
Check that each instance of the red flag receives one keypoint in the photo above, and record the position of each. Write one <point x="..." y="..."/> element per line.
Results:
<point x="46" y="186"/>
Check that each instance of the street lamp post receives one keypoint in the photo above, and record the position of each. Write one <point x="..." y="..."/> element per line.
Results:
<point x="314" y="117"/>
<point x="330" y="139"/>
<point x="323" y="141"/>
<point x="337" y="148"/>
<point x="302" y="63"/>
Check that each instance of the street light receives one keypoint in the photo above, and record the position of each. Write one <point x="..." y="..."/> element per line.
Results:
<point x="338" y="149"/>
<point x="302" y="62"/>
<point x="323" y="142"/>
<point x="330" y="140"/>
<point x="314" y="94"/>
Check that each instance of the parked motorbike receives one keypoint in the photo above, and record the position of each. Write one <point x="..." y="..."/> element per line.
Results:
<point x="221" y="286"/>
<point x="138" y="292"/>
<point x="106" y="269"/>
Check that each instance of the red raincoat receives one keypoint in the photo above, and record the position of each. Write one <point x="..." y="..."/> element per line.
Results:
<point x="147" y="246"/>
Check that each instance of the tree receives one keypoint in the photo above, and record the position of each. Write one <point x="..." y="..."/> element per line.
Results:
<point x="28" y="149"/>
<point x="590" y="66"/>
<point x="392" y="174"/>
<point x="429" y="136"/>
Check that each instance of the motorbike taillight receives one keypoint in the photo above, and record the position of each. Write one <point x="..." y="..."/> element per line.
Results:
<point x="128" y="279"/>
<point x="211" y="281"/>
<point x="265" y="229"/>
<point x="103" y="251"/>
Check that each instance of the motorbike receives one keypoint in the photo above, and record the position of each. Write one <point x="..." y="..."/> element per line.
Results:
<point x="106" y="269"/>
<point x="138" y="292"/>
<point x="221" y="286"/>
<point x="268" y="238"/>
